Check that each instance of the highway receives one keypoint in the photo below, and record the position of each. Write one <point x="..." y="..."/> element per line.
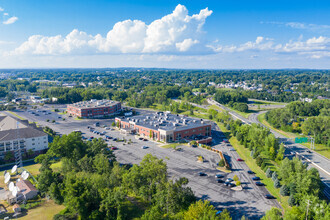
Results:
<point x="321" y="163"/>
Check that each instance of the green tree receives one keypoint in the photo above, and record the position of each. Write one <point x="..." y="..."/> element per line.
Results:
<point x="200" y="210"/>
<point x="291" y="200"/>
<point x="284" y="191"/>
<point x="269" y="173"/>
<point x="221" y="163"/>
<point x="9" y="156"/>
<point x="273" y="214"/>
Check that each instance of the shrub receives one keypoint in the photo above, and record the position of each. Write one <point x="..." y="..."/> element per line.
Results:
<point x="228" y="127"/>
<point x="235" y="178"/>
<point x="284" y="191"/>
<point x="263" y="165"/>
<point x="238" y="183"/>
<point x="291" y="200"/>
<point x="277" y="183"/>
<point x="274" y="176"/>
<point x="222" y="163"/>
<point x="259" y="161"/>
<point x="269" y="173"/>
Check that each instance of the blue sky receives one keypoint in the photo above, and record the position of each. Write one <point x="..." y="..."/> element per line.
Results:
<point x="174" y="34"/>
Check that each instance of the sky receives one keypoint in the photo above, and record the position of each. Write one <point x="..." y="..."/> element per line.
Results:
<point x="197" y="34"/>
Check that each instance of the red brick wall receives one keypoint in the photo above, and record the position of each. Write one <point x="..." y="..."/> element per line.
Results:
<point x="193" y="131"/>
<point x="93" y="111"/>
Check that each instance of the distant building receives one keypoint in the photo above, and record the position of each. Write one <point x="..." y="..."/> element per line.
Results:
<point x="94" y="108"/>
<point x="306" y="100"/>
<point x="36" y="99"/>
<point x="19" y="133"/>
<point x="167" y="127"/>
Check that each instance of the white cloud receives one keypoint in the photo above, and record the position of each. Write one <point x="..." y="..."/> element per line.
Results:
<point x="259" y="44"/>
<point x="315" y="47"/>
<point x="302" y="26"/>
<point x="5" y="14"/>
<point x="1" y="9"/>
<point x="10" y="20"/>
<point x="186" y="44"/>
<point x="174" y="33"/>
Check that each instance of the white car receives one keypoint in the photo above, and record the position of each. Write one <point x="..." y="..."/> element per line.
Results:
<point x="144" y="147"/>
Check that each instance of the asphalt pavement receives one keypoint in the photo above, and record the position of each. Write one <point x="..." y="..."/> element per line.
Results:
<point x="249" y="202"/>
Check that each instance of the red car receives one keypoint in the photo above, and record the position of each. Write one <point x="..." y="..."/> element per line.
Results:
<point x="114" y="148"/>
<point x="239" y="159"/>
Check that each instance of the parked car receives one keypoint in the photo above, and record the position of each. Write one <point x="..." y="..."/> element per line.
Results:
<point x="232" y="184"/>
<point x="145" y="139"/>
<point x="239" y="159"/>
<point x="229" y="180"/>
<point x="219" y="176"/>
<point x="115" y="139"/>
<point x="220" y="181"/>
<point x="268" y="196"/>
<point x="259" y="184"/>
<point x="232" y="149"/>
<point x="140" y="139"/>
<point x="144" y="147"/>
<point x="308" y="151"/>
<point x="202" y="174"/>
<point x="114" y="148"/>
<point x="250" y="172"/>
<point x="256" y="178"/>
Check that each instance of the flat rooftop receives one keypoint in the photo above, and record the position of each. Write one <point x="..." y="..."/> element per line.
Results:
<point x="166" y="121"/>
<point x="94" y="103"/>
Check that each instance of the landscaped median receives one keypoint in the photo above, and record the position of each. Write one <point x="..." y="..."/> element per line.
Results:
<point x="244" y="153"/>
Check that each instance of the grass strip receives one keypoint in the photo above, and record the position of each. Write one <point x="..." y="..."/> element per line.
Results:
<point x="244" y="153"/>
<point x="16" y="115"/>
<point x="319" y="148"/>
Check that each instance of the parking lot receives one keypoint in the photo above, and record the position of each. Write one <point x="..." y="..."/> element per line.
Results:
<point x="249" y="202"/>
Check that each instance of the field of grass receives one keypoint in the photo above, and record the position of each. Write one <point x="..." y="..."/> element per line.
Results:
<point x="174" y="145"/>
<point x="215" y="107"/>
<point x="263" y="102"/>
<point x="44" y="212"/>
<point x="319" y="148"/>
<point x="244" y="153"/>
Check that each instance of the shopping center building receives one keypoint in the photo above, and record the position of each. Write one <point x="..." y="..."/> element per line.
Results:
<point x="166" y="127"/>
<point x="94" y="108"/>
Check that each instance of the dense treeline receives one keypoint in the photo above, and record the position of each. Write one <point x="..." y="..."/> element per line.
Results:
<point x="310" y="118"/>
<point x="228" y="96"/>
<point x="277" y="85"/>
<point x="92" y="185"/>
<point x="295" y="180"/>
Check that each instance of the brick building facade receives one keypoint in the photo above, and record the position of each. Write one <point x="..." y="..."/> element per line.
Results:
<point x="94" y="108"/>
<point x="167" y="127"/>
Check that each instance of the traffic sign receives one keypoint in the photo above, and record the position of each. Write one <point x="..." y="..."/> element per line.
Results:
<point x="301" y="140"/>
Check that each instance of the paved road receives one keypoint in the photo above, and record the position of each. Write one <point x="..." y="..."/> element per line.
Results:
<point x="314" y="159"/>
<point x="249" y="202"/>
<point x="321" y="163"/>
